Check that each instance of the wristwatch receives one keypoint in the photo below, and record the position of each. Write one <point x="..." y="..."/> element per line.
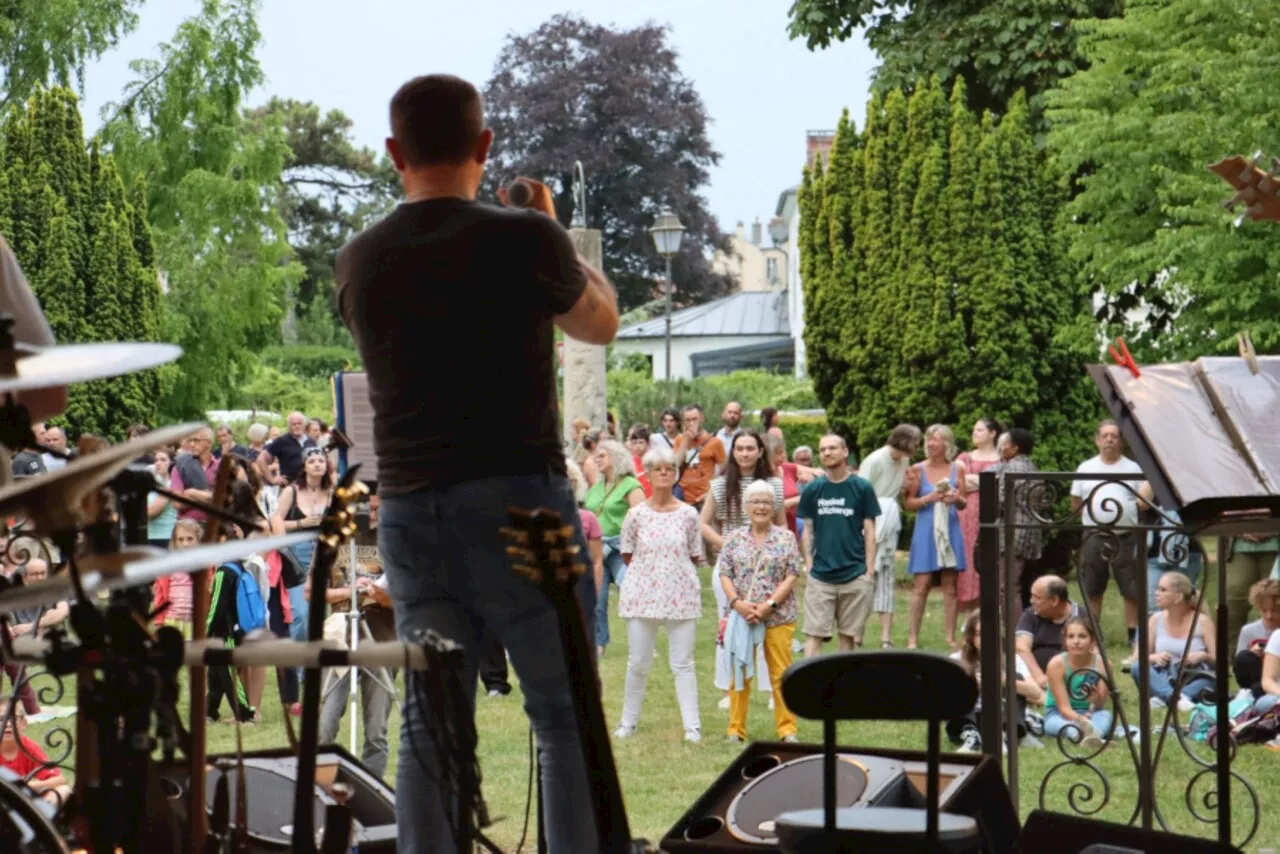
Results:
<point x="773" y="606"/>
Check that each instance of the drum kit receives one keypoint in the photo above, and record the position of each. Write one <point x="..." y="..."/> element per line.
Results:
<point x="92" y="515"/>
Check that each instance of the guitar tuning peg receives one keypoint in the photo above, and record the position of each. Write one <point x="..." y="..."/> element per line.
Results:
<point x="567" y="532"/>
<point x="573" y="550"/>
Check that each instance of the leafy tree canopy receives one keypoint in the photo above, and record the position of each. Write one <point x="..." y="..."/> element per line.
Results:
<point x="617" y="101"/>
<point x="215" y="180"/>
<point x="332" y="189"/>
<point x="49" y="41"/>
<point x="997" y="46"/>
<point x="1171" y="87"/>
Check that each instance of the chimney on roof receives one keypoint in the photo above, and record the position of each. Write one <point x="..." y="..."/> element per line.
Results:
<point x="741" y="231"/>
<point x="757" y="232"/>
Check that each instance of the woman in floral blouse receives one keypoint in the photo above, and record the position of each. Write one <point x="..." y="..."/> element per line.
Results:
<point x="758" y="571"/>
<point x="661" y="544"/>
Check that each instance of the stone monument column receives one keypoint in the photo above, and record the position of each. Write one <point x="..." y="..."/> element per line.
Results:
<point x="584" y="364"/>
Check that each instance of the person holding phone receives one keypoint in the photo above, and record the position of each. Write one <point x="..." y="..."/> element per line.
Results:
<point x="460" y="439"/>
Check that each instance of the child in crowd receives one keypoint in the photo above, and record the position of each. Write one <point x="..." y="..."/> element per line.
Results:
<point x="1077" y="695"/>
<point x="24" y="757"/>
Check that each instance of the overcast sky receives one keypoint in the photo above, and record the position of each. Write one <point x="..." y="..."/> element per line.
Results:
<point x="761" y="90"/>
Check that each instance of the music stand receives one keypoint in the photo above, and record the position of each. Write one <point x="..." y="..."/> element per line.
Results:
<point x="352" y="635"/>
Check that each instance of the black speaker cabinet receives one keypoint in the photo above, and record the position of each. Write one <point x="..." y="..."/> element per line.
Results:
<point x="769" y="778"/>
<point x="269" y="781"/>
<point x="1059" y="833"/>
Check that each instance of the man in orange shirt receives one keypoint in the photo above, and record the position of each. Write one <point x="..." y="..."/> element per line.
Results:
<point x="700" y="456"/>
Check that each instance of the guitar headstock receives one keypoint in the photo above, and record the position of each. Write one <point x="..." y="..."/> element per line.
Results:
<point x="339" y="523"/>
<point x="542" y="547"/>
<point x="1257" y="189"/>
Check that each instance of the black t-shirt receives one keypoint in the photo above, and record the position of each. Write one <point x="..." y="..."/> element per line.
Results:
<point x="1046" y="635"/>
<point x="287" y="451"/>
<point x="451" y="303"/>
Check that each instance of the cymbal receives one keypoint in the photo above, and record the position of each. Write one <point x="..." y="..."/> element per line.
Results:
<point x="138" y="573"/>
<point x="53" y="501"/>
<point x="197" y="558"/>
<point x="47" y="367"/>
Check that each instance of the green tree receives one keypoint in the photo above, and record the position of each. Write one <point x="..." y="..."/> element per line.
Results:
<point x="952" y="301"/>
<point x="1171" y="87"/>
<point x="79" y="241"/>
<point x="213" y="199"/>
<point x="996" y="46"/>
<point x="332" y="190"/>
<point x="46" y="42"/>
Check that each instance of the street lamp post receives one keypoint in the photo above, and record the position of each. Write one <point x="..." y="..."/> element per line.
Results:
<point x="667" y="232"/>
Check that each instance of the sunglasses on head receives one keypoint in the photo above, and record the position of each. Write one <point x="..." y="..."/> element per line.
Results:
<point x="312" y="452"/>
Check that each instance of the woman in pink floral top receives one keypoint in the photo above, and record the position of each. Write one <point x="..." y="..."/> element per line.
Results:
<point x="661" y="543"/>
<point x="758" y="570"/>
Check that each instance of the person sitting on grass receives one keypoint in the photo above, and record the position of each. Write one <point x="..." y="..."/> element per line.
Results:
<point x="1077" y="692"/>
<point x="966" y="731"/>
<point x="24" y="757"/>
<point x="1252" y="643"/>
<point x="1167" y="634"/>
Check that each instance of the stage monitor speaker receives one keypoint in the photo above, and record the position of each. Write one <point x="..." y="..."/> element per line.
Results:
<point x="355" y="419"/>
<point x="270" y="776"/>
<point x="768" y="778"/>
<point x="1060" y="833"/>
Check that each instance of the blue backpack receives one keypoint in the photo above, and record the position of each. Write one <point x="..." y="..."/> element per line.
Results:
<point x="251" y="613"/>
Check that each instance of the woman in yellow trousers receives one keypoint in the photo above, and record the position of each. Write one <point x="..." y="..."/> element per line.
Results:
<point x="758" y="570"/>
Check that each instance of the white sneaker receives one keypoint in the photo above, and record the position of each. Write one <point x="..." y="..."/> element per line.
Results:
<point x="771" y="702"/>
<point x="1185" y="706"/>
<point x="723" y="705"/>
<point x="1158" y="705"/>
<point x="692" y="736"/>
<point x="1244" y="694"/>
<point x="624" y="731"/>
<point x="790" y="739"/>
<point x="970" y="741"/>
<point x="1035" y="723"/>
<point x="734" y="739"/>
<point x="494" y="692"/>
<point x="1031" y="742"/>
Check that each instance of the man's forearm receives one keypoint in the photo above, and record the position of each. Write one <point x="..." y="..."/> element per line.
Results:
<point x="601" y="282"/>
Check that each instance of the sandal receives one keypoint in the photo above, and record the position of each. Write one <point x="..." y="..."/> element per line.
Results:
<point x="886" y="644"/>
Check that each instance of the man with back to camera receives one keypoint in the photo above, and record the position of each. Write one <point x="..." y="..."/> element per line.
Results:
<point x="471" y="292"/>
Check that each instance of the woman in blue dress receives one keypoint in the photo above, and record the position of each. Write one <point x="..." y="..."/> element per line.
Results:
<point x="937" y="544"/>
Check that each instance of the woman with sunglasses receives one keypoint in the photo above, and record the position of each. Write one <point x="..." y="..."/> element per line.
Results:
<point x="301" y="507"/>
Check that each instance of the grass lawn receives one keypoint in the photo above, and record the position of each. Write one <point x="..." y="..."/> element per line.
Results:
<point x="661" y="775"/>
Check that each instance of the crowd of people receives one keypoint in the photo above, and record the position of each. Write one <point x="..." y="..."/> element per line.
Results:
<point x="283" y="481"/>
<point x="656" y="507"/>
<point x="660" y="504"/>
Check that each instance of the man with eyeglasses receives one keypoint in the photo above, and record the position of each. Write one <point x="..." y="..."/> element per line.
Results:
<point x="194" y="474"/>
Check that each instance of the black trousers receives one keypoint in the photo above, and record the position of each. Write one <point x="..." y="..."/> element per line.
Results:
<point x="956" y="726"/>
<point x="288" y="676"/>
<point x="225" y="682"/>
<point x="493" y="665"/>
<point x="1247" y="669"/>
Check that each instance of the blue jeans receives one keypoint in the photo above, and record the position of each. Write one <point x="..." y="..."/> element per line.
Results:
<point x="1162" y="679"/>
<point x="1265" y="703"/>
<point x="447" y="569"/>
<point x="614" y="570"/>
<point x="1191" y="568"/>
<point x="1054" y="722"/>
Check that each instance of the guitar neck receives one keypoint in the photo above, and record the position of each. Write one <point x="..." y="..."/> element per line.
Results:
<point x="606" y="791"/>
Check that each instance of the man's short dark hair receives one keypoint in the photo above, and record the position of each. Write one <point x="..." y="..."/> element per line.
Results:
<point x="437" y="119"/>
<point x="1020" y="438"/>
<point x="692" y="407"/>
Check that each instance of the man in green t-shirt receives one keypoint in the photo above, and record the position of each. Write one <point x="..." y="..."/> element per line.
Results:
<point x="839" y="510"/>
